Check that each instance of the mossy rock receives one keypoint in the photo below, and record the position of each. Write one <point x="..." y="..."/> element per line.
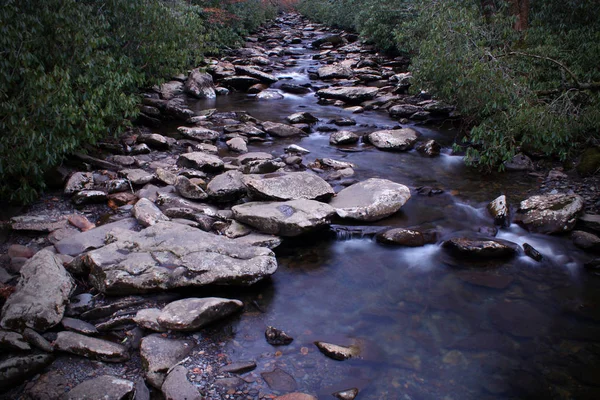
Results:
<point x="590" y="162"/>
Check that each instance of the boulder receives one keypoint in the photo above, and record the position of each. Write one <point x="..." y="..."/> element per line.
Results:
<point x="200" y="85"/>
<point x="370" y="200"/>
<point x="347" y="394"/>
<point x="154" y="140"/>
<point x="335" y="71"/>
<point x="295" y="89"/>
<point x="79" y="181"/>
<point x="198" y="133"/>
<point x="15" y="370"/>
<point x="13" y="341"/>
<point x="160" y="354"/>
<point x="519" y="162"/>
<point x="301" y="118"/>
<point x="137" y="176"/>
<point x="188" y="189"/>
<point x="499" y="210"/>
<point x="201" y="161"/>
<point x="430" y="148"/>
<point x="89" y="197"/>
<point x="402" y="237"/>
<point x="147" y="213"/>
<point x="290" y="218"/>
<point x="550" y="213"/>
<point x="92" y="239"/>
<point x="277" y="337"/>
<point x="105" y="387"/>
<point x="395" y="139"/>
<point x="38" y="223"/>
<point x="41" y="296"/>
<point x="193" y="313"/>
<point x="255" y="73"/>
<point x="288" y="186"/>
<point x="335" y="40"/>
<point x="240" y="82"/>
<point x="85" y="346"/>
<point x="281" y="130"/>
<point x="336" y="352"/>
<point x="227" y="186"/>
<point x="147" y="318"/>
<point x="171" y="89"/>
<point x="177" y="386"/>
<point x="343" y="137"/>
<point x="269" y="94"/>
<point x="403" y="110"/>
<point x="354" y="94"/>
<point x="480" y="248"/>
<point x="168" y="255"/>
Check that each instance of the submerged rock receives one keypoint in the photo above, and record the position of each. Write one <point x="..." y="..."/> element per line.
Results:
<point x="550" y="213"/>
<point x="348" y="394"/>
<point x="288" y="186"/>
<point x="280" y="380"/>
<point x="192" y="314"/>
<point x="394" y="139"/>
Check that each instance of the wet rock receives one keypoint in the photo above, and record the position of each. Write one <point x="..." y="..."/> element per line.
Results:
<point x="193" y="313"/>
<point x="329" y="163"/>
<point x="80" y="304"/>
<point x="335" y="40"/>
<point x="255" y="89"/>
<point x="177" y="386"/>
<point x="79" y="326"/>
<point x="348" y="394"/>
<point x="499" y="210"/>
<point x="148" y="319"/>
<point x="37" y="340"/>
<point x="531" y="252"/>
<point x="201" y="161"/>
<point x="260" y="240"/>
<point x="227" y="187"/>
<point x="403" y="110"/>
<point x="354" y="94"/>
<point x="481" y="248"/>
<point x="269" y="94"/>
<point x="295" y="89"/>
<point x="171" y="89"/>
<point x="89" y="197"/>
<point x="519" y="319"/>
<point x="277" y="337"/>
<point x="155" y="141"/>
<point x="38" y="223"/>
<point x="140" y="149"/>
<point x="79" y="181"/>
<point x="200" y="85"/>
<point x="13" y="341"/>
<point x="302" y="118"/>
<point x="520" y="162"/>
<point x="247" y="129"/>
<point x="159" y="355"/>
<point x="15" y="370"/>
<point x="41" y="295"/>
<point x="240" y="82"/>
<point x="290" y="218"/>
<point x="586" y="241"/>
<point x="343" y="137"/>
<point x="238" y="145"/>
<point x="188" y="189"/>
<point x="402" y="237"/>
<point x="288" y="186"/>
<point x="92" y="239"/>
<point x="147" y="213"/>
<point x="239" y="367"/>
<point x="590" y="222"/>
<point x="255" y="73"/>
<point x="296" y="396"/>
<point x="335" y="71"/>
<point x="430" y="148"/>
<point x="279" y="380"/>
<point x="105" y="387"/>
<point x="395" y="139"/>
<point x="281" y="130"/>
<point x="295" y="149"/>
<point x="81" y="222"/>
<point x="370" y="200"/>
<point x="230" y="383"/>
<point x="262" y="167"/>
<point x="336" y="352"/>
<point x="169" y="255"/>
<point x="199" y="133"/>
<point x="85" y="346"/>
<point x="551" y="213"/>
<point x="485" y="279"/>
<point x="343" y="121"/>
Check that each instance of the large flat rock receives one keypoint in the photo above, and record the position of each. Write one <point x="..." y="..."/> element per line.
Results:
<point x="85" y="346"/>
<point x="394" y="139"/>
<point x="550" y="213"/>
<point x="290" y="218"/>
<point x="103" y="387"/>
<point x="192" y="314"/>
<point x="370" y="200"/>
<point x="354" y="94"/>
<point x="92" y="239"/>
<point x="170" y="255"/>
<point x="288" y="186"/>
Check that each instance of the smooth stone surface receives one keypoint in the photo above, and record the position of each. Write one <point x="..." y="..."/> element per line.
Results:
<point x="201" y="161"/>
<point x="177" y="386"/>
<point x="343" y="137"/>
<point x="336" y="352"/>
<point x="551" y="213"/>
<point x="280" y="380"/>
<point x="147" y="213"/>
<point x="160" y="354"/>
<point x="335" y="71"/>
<point x="290" y="218"/>
<point x="92" y="239"/>
<point x="394" y="139"/>
<point x="260" y="240"/>
<point x="238" y="145"/>
<point x="370" y="200"/>
<point x="105" y="387"/>
<point x="169" y="255"/>
<point x="15" y="370"/>
<point x="281" y="130"/>
<point x="227" y="186"/>
<point x="239" y="367"/>
<point x="37" y="340"/>
<point x="194" y="313"/>
<point x="354" y="94"/>
<point x="79" y="326"/>
<point x="84" y="346"/>
<point x="288" y="186"/>
<point x="481" y="248"/>
<point x="41" y="296"/>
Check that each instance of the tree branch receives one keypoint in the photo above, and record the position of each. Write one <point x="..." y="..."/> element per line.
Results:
<point x="518" y="53"/>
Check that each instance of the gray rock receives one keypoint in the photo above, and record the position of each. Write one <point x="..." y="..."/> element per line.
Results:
<point x="147" y="213"/>
<point x="302" y="118"/>
<point x="201" y="161"/>
<point x="402" y="237"/>
<point x="240" y="82"/>
<point x="38" y="223"/>
<point x="169" y="255"/>
<point x="499" y="210"/>
<point x="395" y="139"/>
<point x="176" y="206"/>
<point x="199" y="133"/>
<point x="260" y="240"/>
<point x="200" y="85"/>
<point x="160" y="354"/>
<point x="13" y="341"/>
<point x="141" y="148"/>
<point x="15" y="370"/>
<point x="262" y="166"/>
<point x="155" y="140"/>
<point x="343" y="137"/>
<point x="137" y="176"/>
<point x="79" y="326"/>
<point x="49" y="386"/>
<point x="141" y="390"/>
<point x="348" y="394"/>
<point x="438" y="107"/>
<point x="403" y="110"/>
<point x="269" y="94"/>
<point x="148" y="319"/>
<point x="247" y="129"/>
<point x="277" y="337"/>
<point x="370" y="200"/>
<point x="80" y="304"/>
<point x="92" y="239"/>
<point x="353" y="94"/>
<point x="591" y="222"/>
<point x="171" y="89"/>
<point x="295" y="149"/>
<point x="238" y="145"/>
<point x="189" y="190"/>
<point x="37" y="340"/>
<point x="281" y="130"/>
<point x="519" y="162"/>
<point x="192" y="314"/>
<point x="335" y="71"/>
<point x="290" y="218"/>
<point x="84" y="346"/>
<point x="41" y="296"/>
<point x="103" y="387"/>
<point x="255" y="73"/>
<point x="117" y="186"/>
<point x="230" y="383"/>
<point x="280" y="380"/>
<point x="293" y="88"/>
<point x="586" y="241"/>
<point x="550" y="213"/>
<point x="329" y="163"/>
<point x="227" y="186"/>
<point x="336" y="352"/>
<point x="480" y="248"/>
<point x="236" y="230"/>
<point x="177" y="386"/>
<point x="253" y="156"/>
<point x="89" y="197"/>
<point x="79" y="181"/>
<point x="430" y="148"/>
<point x="166" y="177"/>
<point x="239" y="367"/>
<point x="288" y="186"/>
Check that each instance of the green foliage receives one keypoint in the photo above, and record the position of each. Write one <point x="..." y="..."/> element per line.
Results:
<point x="70" y="71"/>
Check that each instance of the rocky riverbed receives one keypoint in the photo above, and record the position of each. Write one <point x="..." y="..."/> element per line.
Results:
<point x="292" y="224"/>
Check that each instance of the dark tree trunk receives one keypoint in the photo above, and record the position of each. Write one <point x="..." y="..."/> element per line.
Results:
<point x="520" y="9"/>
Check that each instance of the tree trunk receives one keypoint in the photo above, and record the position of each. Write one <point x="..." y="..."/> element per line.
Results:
<point x="520" y="9"/>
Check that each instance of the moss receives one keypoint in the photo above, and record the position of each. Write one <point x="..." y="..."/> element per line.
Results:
<point x="590" y="162"/>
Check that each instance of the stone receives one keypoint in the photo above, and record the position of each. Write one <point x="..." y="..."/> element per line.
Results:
<point x="38" y="223"/>
<point x="586" y="241"/>
<point x="353" y="94"/>
<point x="13" y="341"/>
<point x="590" y="222"/>
<point x="499" y="210"/>
<point x="403" y="110"/>
<point x="301" y="118"/>
<point x="230" y="383"/>
<point x="296" y="396"/>
<point x="15" y="370"/>
<point x="177" y="386"/>
<point x="236" y="230"/>
<point x="262" y="167"/>
<point x="281" y="130"/>
<point x="171" y="89"/>
<point x="140" y="149"/>
<point x="81" y="222"/>
<point x="89" y="197"/>
<point x="137" y="176"/>
<point x="336" y="352"/>
<point x="269" y="94"/>
<point x="92" y="239"/>
<point x="227" y="186"/>
<point x="238" y="145"/>
<point x="102" y="350"/>
<point x="37" y="340"/>
<point x="166" y="177"/>
<point x="295" y="149"/>
<point x="160" y="354"/>
<point x="79" y="326"/>
<point x="18" y="250"/>
<point x="194" y="313"/>
<point x="395" y="139"/>
<point x="147" y="318"/>
<point x="288" y="186"/>
<point x="186" y="188"/>
<point x="295" y="89"/>
<point x="430" y="148"/>
<point x="520" y="162"/>
<point x="240" y="82"/>
<point x="343" y="137"/>
<point x="335" y="71"/>
<point x="520" y="319"/>
<point x="147" y="213"/>
<point x="79" y="304"/>
<point x="168" y="255"/>
<point x="279" y="380"/>
<point x="260" y="240"/>
<point x="402" y="237"/>
<point x="336" y="40"/>
<point x="105" y="387"/>
<point x="240" y="367"/>
<point x="277" y="337"/>
<point x="253" y="156"/>
<point x="200" y="85"/>
<point x="290" y="218"/>
<point x="155" y="140"/>
<point x="348" y="394"/>
<point x="480" y="248"/>
<point x="79" y="181"/>
<point x="49" y="386"/>
<point x="370" y="200"/>
<point x="255" y="73"/>
<point x="198" y="133"/>
<point x="201" y="161"/>
<point x="438" y="108"/>
<point x="343" y="121"/>
<point x="550" y="213"/>
<point x="41" y="296"/>
<point x="531" y="252"/>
